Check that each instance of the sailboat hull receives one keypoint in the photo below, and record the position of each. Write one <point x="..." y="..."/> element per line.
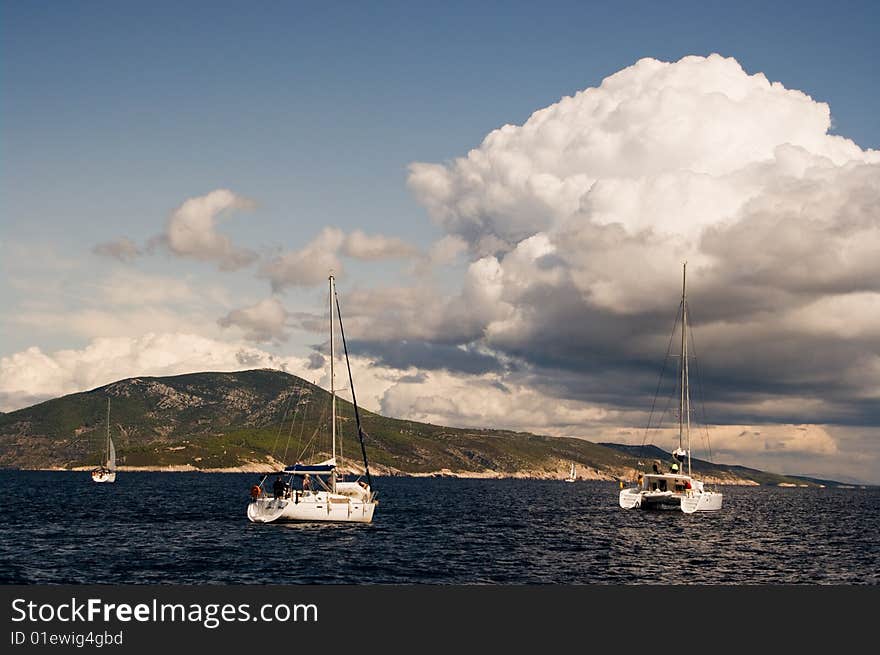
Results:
<point x="708" y="501"/>
<point x="690" y="502"/>
<point x="103" y="477"/>
<point x="320" y="506"/>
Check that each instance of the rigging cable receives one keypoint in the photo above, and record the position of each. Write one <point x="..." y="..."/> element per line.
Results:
<point x="320" y="421"/>
<point x="357" y="414"/>
<point x="283" y="418"/>
<point x="660" y="381"/>
<point x="292" y="423"/>
<point x="314" y="433"/>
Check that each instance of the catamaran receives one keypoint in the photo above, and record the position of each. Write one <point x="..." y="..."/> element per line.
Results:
<point x="674" y="489"/>
<point x="322" y="496"/>
<point x="106" y="472"/>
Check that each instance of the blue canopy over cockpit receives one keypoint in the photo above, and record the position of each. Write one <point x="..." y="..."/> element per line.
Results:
<point x="310" y="469"/>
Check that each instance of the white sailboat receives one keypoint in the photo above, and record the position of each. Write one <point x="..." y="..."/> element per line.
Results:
<point x="572" y="476"/>
<point x="661" y="490"/>
<point x="107" y="471"/>
<point x="322" y="496"/>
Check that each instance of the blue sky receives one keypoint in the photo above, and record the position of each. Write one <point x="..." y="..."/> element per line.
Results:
<point x="112" y="114"/>
<point x="318" y="110"/>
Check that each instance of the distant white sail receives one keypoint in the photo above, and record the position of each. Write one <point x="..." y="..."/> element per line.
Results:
<point x="111" y="460"/>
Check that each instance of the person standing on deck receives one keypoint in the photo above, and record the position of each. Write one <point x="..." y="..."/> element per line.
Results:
<point x="278" y="487"/>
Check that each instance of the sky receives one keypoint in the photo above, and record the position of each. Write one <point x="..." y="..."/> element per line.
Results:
<point x="505" y="191"/>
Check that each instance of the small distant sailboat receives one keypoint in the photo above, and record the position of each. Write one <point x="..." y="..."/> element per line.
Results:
<point x="323" y="497"/>
<point x="107" y="471"/>
<point x="572" y="476"/>
<point x="675" y="490"/>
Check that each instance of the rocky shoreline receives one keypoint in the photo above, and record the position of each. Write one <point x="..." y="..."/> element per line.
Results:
<point x="582" y="473"/>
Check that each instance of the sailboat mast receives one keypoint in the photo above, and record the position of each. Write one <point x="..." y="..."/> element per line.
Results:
<point x="681" y="364"/>
<point x="332" y="372"/>
<point x="685" y="391"/>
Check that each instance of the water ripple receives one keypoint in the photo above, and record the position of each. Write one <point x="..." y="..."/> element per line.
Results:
<point x="60" y="528"/>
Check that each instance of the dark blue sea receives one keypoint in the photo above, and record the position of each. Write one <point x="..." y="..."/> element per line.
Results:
<point x="191" y="528"/>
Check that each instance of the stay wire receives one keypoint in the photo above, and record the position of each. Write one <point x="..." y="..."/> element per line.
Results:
<point x="283" y="419"/>
<point x="292" y="423"/>
<point x="660" y="380"/>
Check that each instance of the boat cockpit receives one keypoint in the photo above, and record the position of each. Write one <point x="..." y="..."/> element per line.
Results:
<point x="672" y="482"/>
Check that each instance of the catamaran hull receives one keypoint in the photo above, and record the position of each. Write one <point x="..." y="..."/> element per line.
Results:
<point x="708" y="501"/>
<point x="705" y="501"/>
<point x="103" y="477"/>
<point x="288" y="510"/>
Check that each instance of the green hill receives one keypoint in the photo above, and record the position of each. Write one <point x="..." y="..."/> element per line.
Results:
<point x="259" y="419"/>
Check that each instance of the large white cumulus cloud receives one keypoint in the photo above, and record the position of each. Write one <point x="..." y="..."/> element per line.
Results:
<point x="659" y="145"/>
<point x="585" y="213"/>
<point x="603" y="194"/>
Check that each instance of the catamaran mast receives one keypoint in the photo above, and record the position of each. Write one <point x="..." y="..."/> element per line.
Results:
<point x="332" y="382"/>
<point x="684" y="414"/>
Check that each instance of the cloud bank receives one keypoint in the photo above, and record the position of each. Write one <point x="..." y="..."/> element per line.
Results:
<point x="578" y="220"/>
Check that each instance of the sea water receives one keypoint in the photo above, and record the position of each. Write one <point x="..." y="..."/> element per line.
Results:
<point x="191" y="528"/>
